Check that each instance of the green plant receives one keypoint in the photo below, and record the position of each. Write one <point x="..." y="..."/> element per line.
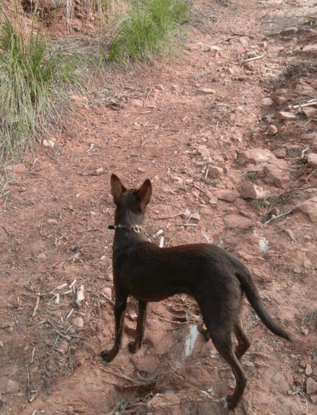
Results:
<point x="32" y="72"/>
<point x="147" y="28"/>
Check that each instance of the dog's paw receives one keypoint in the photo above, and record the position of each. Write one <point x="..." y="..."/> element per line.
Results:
<point x="133" y="347"/>
<point x="107" y="355"/>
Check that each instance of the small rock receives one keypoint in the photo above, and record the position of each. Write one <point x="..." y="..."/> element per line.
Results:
<point x="237" y="221"/>
<point x="249" y="190"/>
<point x="290" y="233"/>
<point x="52" y="221"/>
<point x="9" y="386"/>
<point x="309" y="208"/>
<point x="304" y="331"/>
<point x="255" y="156"/>
<point x="141" y="170"/>
<point x="206" y="91"/>
<point x="280" y="153"/>
<point x="272" y="130"/>
<point x="48" y="143"/>
<point x="42" y="255"/>
<point x="311" y="386"/>
<point x="195" y="217"/>
<point x="107" y="291"/>
<point x="310" y="112"/>
<point x="308" y="370"/>
<point x="287" y="116"/>
<point x="266" y="102"/>
<point x="279" y="100"/>
<point x="185" y="214"/>
<point x="215" y="172"/>
<point x="78" y="322"/>
<point x="312" y="160"/>
<point x="226" y="195"/>
<point x="311" y="49"/>
<point x="203" y="151"/>
<point x="99" y="171"/>
<point x="211" y="198"/>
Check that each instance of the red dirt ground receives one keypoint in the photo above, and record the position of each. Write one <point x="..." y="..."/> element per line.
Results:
<point x="172" y="122"/>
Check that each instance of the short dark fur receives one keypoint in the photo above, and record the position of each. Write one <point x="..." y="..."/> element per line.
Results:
<point x="216" y="279"/>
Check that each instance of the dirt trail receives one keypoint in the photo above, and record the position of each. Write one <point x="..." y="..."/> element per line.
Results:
<point x="188" y="123"/>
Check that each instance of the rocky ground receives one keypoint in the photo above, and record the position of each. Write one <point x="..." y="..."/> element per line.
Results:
<point x="226" y="131"/>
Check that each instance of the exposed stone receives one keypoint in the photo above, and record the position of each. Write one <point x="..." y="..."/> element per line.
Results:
<point x="272" y="130"/>
<point x="249" y="190"/>
<point x="312" y="160"/>
<point x="310" y="49"/>
<point x="203" y="151"/>
<point x="107" y="291"/>
<point x="273" y="174"/>
<point x="311" y="386"/>
<point x="165" y="404"/>
<point x="279" y="100"/>
<point x="185" y="214"/>
<point x="195" y="217"/>
<point x="78" y="322"/>
<point x="238" y="221"/>
<point x="206" y="91"/>
<point x="287" y="116"/>
<point x="255" y="156"/>
<point x="215" y="172"/>
<point x="266" y="102"/>
<point x="48" y="143"/>
<point x="226" y="195"/>
<point x="280" y="153"/>
<point x="309" y="208"/>
<point x="308" y="370"/>
<point x="8" y="385"/>
<point x="147" y="364"/>
<point x="136" y="102"/>
<point x="310" y="112"/>
<point x="211" y="198"/>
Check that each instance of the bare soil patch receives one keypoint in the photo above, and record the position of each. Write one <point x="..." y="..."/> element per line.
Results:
<point x="188" y="123"/>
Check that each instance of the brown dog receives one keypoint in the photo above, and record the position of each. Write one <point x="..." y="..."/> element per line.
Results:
<point x="216" y="279"/>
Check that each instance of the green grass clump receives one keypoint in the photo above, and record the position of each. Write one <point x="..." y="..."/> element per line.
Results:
<point x="147" y="28"/>
<point x="32" y="73"/>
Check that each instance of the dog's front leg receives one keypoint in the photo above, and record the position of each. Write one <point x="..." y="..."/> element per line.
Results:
<point x="135" y="346"/>
<point x="119" y="309"/>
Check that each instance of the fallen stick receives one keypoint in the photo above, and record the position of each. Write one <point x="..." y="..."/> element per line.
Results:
<point x="283" y="214"/>
<point x="36" y="305"/>
<point x="253" y="59"/>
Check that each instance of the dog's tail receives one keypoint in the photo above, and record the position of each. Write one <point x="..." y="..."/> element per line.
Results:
<point x="254" y="298"/>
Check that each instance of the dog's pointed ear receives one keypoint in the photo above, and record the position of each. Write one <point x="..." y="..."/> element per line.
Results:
<point x="145" y="193"/>
<point x="117" y="188"/>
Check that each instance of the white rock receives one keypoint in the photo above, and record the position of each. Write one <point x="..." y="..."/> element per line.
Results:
<point x="312" y="160"/>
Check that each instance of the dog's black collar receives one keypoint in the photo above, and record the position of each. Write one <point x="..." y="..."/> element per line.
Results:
<point x="135" y="228"/>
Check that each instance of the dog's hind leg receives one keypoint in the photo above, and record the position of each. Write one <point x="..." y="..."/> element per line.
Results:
<point x="135" y="346"/>
<point x="243" y="341"/>
<point x="221" y="337"/>
<point x="119" y="309"/>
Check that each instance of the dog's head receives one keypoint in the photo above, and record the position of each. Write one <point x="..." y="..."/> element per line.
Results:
<point x="132" y="199"/>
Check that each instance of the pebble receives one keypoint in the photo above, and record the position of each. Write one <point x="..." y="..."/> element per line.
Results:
<point x="107" y="291"/>
<point x="206" y="91"/>
<point x="308" y="370"/>
<point x="311" y="386"/>
<point x="312" y="160"/>
<point x="48" y="143"/>
<point x="195" y="217"/>
<point x="287" y="116"/>
<point x="266" y="102"/>
<point x="272" y="130"/>
<point x="78" y="322"/>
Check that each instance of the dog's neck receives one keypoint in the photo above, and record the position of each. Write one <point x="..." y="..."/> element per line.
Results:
<point x="128" y="229"/>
